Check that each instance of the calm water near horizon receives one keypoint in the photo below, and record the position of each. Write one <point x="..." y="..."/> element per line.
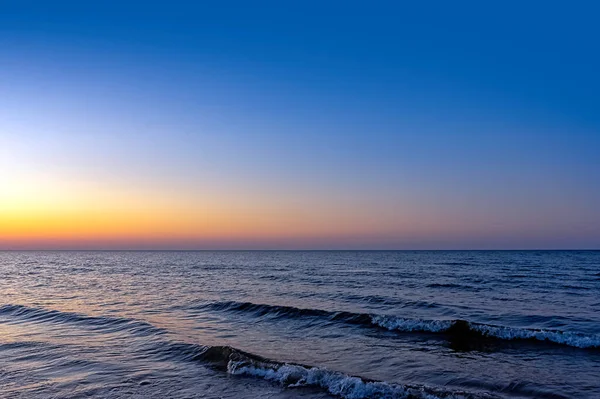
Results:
<point x="300" y="324"/>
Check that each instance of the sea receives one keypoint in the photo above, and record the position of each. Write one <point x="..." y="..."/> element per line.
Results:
<point x="300" y="324"/>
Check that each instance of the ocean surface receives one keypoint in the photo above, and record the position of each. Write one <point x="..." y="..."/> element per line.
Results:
<point x="349" y="324"/>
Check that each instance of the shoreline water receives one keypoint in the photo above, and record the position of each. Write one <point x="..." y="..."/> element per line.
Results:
<point x="300" y="324"/>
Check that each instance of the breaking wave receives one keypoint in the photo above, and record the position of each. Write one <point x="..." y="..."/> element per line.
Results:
<point x="237" y="362"/>
<point x="458" y="330"/>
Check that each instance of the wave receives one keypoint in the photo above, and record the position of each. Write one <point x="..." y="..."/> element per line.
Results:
<point x="575" y="287"/>
<point x="452" y="285"/>
<point x="456" y="264"/>
<point x="235" y="361"/>
<point x="104" y="323"/>
<point x="290" y="375"/>
<point x="238" y="362"/>
<point x="279" y="311"/>
<point x="24" y="344"/>
<point x="459" y="331"/>
<point x="293" y="375"/>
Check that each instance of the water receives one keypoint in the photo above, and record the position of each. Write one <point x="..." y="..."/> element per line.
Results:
<point x="300" y="324"/>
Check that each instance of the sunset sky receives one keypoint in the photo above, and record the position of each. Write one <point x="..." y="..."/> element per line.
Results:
<point x="299" y="125"/>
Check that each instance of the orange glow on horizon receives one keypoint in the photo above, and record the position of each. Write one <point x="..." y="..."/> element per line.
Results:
<point x="37" y="213"/>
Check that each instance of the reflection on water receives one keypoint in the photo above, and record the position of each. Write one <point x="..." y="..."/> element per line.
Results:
<point x="249" y="324"/>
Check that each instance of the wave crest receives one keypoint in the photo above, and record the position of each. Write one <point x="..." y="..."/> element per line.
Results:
<point x="460" y="331"/>
<point x="238" y="362"/>
<point x="103" y="323"/>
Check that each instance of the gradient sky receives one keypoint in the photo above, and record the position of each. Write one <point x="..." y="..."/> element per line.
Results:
<point x="359" y="125"/>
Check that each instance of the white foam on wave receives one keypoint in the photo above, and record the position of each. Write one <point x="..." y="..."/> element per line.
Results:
<point x="335" y="383"/>
<point x="409" y="325"/>
<point x="576" y="340"/>
<point x="564" y="338"/>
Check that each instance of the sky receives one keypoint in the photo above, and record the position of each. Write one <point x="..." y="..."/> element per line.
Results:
<point x="299" y="125"/>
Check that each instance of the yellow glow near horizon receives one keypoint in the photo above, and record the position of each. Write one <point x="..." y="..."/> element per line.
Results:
<point x="45" y="209"/>
<point x="42" y="208"/>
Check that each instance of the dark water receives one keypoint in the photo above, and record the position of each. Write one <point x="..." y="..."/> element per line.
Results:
<point x="300" y="324"/>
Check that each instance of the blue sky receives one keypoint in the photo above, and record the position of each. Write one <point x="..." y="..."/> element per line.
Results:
<point x="454" y="125"/>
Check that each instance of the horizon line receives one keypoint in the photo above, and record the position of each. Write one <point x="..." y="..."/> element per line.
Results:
<point x="291" y="250"/>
